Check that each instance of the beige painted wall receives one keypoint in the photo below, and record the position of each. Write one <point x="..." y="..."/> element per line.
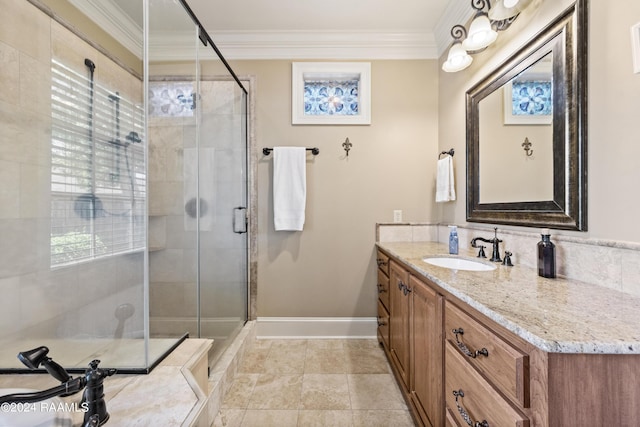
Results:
<point x="502" y="145"/>
<point x="328" y="269"/>
<point x="613" y="124"/>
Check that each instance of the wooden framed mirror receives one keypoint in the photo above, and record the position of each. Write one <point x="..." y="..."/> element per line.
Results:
<point x="527" y="132"/>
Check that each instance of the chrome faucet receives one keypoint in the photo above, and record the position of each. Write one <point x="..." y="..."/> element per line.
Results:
<point x="92" y="382"/>
<point x="495" y="256"/>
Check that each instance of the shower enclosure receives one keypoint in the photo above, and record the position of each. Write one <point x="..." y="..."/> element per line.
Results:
<point x="123" y="199"/>
<point x="198" y="262"/>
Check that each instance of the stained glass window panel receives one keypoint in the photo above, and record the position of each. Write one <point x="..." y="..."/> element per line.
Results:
<point x="326" y="98"/>
<point x="531" y="98"/>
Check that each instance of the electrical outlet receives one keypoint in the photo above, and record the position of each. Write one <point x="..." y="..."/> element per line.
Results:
<point x="397" y="215"/>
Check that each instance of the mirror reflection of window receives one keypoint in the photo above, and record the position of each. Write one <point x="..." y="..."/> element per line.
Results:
<point x="516" y="134"/>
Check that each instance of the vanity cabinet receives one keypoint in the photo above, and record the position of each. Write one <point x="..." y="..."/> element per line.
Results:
<point x="415" y="343"/>
<point x="383" y="298"/>
<point x="426" y="352"/>
<point x="458" y="366"/>
<point x="399" y="300"/>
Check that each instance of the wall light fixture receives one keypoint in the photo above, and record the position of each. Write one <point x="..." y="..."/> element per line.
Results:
<point x="482" y="32"/>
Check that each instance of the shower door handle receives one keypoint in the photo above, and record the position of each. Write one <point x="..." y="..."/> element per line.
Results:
<point x="240" y="220"/>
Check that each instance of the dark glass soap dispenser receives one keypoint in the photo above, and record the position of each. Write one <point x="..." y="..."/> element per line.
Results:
<point x="546" y="256"/>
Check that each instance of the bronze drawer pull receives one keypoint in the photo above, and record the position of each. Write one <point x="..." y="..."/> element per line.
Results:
<point x="404" y="288"/>
<point x="381" y="321"/>
<point x="464" y="414"/>
<point x="381" y="288"/>
<point x="465" y="349"/>
<point x="381" y="262"/>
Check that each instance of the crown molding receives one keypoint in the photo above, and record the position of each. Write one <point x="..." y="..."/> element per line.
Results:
<point x="339" y="45"/>
<point x="108" y="16"/>
<point x="298" y="45"/>
<point x="457" y="12"/>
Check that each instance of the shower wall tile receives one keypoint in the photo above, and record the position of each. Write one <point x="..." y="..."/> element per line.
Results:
<point x="223" y="265"/>
<point x="222" y="298"/>
<point x="221" y="236"/>
<point x="172" y="299"/>
<point x="177" y="236"/>
<point x="221" y="99"/>
<point x="25" y="136"/>
<point x="166" y="265"/>
<point x="35" y="194"/>
<point x="9" y="74"/>
<point x="10" y="190"/>
<point x="165" y="153"/>
<point x="27" y="30"/>
<point x="165" y="198"/>
<point x="35" y="85"/>
<point x="221" y="131"/>
<point x="190" y="264"/>
<point x="9" y="310"/>
<point x="157" y="232"/>
<point x="19" y="247"/>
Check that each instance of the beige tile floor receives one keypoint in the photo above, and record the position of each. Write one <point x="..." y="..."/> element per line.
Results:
<point x="309" y="383"/>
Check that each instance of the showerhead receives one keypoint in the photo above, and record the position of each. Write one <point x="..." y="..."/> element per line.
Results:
<point x="32" y="359"/>
<point x="124" y="311"/>
<point x="133" y="137"/>
<point x="89" y="63"/>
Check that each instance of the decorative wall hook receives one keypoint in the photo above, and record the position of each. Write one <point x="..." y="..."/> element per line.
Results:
<point x="527" y="147"/>
<point x="347" y="146"/>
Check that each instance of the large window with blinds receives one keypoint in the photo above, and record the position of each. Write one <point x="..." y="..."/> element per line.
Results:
<point x="98" y="174"/>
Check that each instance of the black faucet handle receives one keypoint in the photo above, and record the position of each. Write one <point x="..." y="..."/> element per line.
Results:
<point x="507" y="259"/>
<point x="481" y="253"/>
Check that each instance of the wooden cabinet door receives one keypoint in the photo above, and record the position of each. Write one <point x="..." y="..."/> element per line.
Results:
<point x="427" y="353"/>
<point x="399" y="298"/>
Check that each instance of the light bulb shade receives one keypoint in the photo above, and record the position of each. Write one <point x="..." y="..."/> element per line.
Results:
<point x="480" y="34"/>
<point x="505" y="9"/>
<point x="457" y="60"/>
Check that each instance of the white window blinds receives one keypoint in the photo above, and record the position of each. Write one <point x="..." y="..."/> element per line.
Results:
<point x="98" y="176"/>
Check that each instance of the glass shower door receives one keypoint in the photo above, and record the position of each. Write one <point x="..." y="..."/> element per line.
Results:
<point x="222" y="231"/>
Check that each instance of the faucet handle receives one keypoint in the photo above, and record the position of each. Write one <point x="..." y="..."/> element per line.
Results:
<point x="481" y="253"/>
<point x="507" y="259"/>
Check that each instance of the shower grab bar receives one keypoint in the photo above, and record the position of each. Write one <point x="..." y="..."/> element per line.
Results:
<point x="315" y="151"/>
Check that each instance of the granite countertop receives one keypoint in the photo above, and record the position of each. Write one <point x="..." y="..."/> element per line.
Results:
<point x="555" y="315"/>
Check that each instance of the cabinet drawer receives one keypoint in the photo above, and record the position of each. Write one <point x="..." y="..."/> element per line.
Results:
<point x="383" y="262"/>
<point x="475" y="397"/>
<point x="383" y="325"/>
<point x="505" y="366"/>
<point x="383" y="288"/>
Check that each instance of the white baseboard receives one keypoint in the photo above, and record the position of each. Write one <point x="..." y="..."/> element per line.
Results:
<point x="316" y="327"/>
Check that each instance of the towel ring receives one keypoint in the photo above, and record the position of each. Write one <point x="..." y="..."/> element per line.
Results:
<point x="450" y="152"/>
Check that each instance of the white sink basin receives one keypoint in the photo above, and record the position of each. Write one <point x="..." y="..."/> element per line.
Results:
<point x="48" y="413"/>
<point x="459" y="263"/>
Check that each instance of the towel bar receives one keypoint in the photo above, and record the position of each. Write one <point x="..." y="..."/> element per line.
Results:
<point x="315" y="151"/>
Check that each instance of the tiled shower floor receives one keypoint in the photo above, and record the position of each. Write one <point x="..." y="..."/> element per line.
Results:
<point x="314" y="383"/>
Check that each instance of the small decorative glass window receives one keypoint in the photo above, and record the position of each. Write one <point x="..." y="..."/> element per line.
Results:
<point x="531" y="98"/>
<point x="331" y="93"/>
<point x="171" y="99"/>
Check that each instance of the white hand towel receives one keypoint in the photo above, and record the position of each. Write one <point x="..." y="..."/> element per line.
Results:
<point x="445" y="188"/>
<point x="289" y="188"/>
